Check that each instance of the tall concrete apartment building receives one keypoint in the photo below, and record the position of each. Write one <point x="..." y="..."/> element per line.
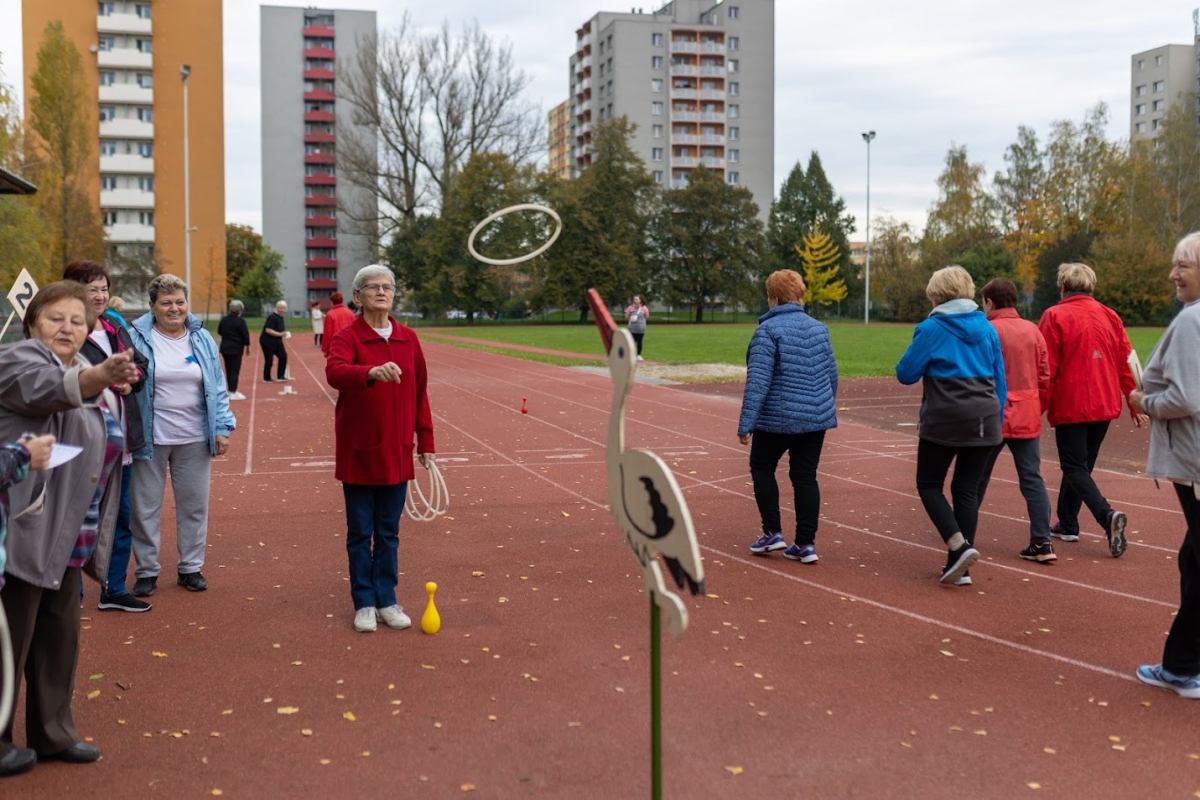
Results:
<point x="133" y="52"/>
<point x="302" y="118"/>
<point x="697" y="77"/>
<point x="1159" y="78"/>
<point x="558" y="142"/>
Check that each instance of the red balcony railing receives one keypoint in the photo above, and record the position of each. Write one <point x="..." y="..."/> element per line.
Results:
<point x="321" y="263"/>
<point x="319" y="52"/>
<point x="321" y="222"/>
<point x="320" y="137"/>
<point x="318" y="74"/>
<point x="320" y="200"/>
<point x="320" y="94"/>
<point x="322" y="283"/>
<point x="318" y="32"/>
<point x="319" y="116"/>
<point x="319" y="158"/>
<point x="320" y="180"/>
<point x="320" y="241"/>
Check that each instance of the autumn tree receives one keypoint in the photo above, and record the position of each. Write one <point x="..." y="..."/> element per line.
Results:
<point x="807" y="200"/>
<point x="898" y="277"/>
<point x="707" y="242"/>
<point x="258" y="287"/>
<point x="963" y="214"/>
<point x="821" y="258"/>
<point x="60" y="151"/>
<point x="243" y="251"/>
<point x="1020" y="205"/>
<point x="22" y="230"/>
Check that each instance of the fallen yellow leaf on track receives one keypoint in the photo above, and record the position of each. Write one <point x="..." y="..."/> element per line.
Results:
<point x="286" y="710"/>
<point x="734" y="770"/>
<point x="157" y="654"/>
<point x="93" y="694"/>
<point x="467" y="787"/>
<point x="306" y="731"/>
<point x="946" y="653"/>
<point x="349" y="716"/>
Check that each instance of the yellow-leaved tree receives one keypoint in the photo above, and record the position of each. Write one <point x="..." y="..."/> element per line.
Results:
<point x="820" y="258"/>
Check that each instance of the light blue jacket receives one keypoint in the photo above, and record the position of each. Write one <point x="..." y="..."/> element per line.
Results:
<point x="791" y="375"/>
<point x="221" y="421"/>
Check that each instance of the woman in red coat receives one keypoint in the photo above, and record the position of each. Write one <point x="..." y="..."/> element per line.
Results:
<point x="1090" y="380"/>
<point x="377" y="366"/>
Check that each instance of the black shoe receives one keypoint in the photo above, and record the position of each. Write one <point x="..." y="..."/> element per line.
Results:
<point x="958" y="562"/>
<point x="123" y="602"/>
<point x="1115" y="531"/>
<point x="78" y="753"/>
<point x="1038" y="552"/>
<point x="193" y="581"/>
<point x="144" y="587"/>
<point x="17" y="760"/>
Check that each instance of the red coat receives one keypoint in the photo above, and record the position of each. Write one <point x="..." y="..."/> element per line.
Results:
<point x="1026" y="371"/>
<point x="1089" y="361"/>
<point x="375" y="423"/>
<point x="336" y="318"/>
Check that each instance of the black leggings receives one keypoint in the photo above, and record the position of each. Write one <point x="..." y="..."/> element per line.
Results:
<point x="271" y="350"/>
<point x="637" y="339"/>
<point x="933" y="462"/>
<point x="1182" y="652"/>
<point x="804" y="456"/>
<point x="233" y="369"/>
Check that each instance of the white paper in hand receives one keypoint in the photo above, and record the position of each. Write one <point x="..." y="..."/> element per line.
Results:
<point x="62" y="453"/>
<point x="1135" y="366"/>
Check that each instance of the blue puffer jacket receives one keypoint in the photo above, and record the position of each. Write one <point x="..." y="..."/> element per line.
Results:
<point x="791" y="375"/>
<point x="221" y="421"/>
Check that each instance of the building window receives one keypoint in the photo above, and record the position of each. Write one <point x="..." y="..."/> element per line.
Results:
<point x="1141" y="65"/>
<point x="108" y="78"/>
<point x="146" y="184"/>
<point x="1139" y="109"/>
<point x="110" y="218"/>
<point x="734" y="178"/>
<point x="1155" y="124"/>
<point x="657" y="131"/>
<point x="142" y="10"/>
<point x="107" y="113"/>
<point x="108" y="147"/>
<point x="108" y="183"/>
<point x="733" y="12"/>
<point x="658" y="176"/>
<point x="105" y="9"/>
<point x="145" y="114"/>
<point x="734" y="156"/>
<point x="656" y="40"/>
<point x="143" y="46"/>
<point x="735" y="111"/>
<point x="656" y="62"/>
<point x="106" y="44"/>
<point x="609" y="40"/>
<point x="733" y="65"/>
<point x="656" y="108"/>
<point x="146" y="218"/>
<point x="735" y="87"/>
<point x="145" y="149"/>
<point x="610" y="111"/>
<point x="1159" y="86"/>
<point x="735" y="133"/>
<point x="1141" y="127"/>
<point x="1158" y="61"/>
<point x="1158" y="105"/>
<point x="656" y="84"/>
<point x="610" y="87"/>
<point x="734" y="42"/>
<point x="145" y="80"/>
<point x="656" y="154"/>
<point x="1140" y="91"/>
<point x="601" y="47"/>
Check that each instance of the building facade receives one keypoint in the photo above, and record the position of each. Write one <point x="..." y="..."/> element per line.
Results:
<point x="696" y="77"/>
<point x="133" y="53"/>
<point x="558" y="143"/>
<point x="304" y="204"/>
<point x="1159" y="78"/>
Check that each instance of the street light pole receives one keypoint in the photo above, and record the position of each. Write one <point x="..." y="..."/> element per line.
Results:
<point x="867" y="137"/>
<point x="184" y="72"/>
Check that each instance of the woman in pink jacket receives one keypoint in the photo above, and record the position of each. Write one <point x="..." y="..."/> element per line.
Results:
<point x="1027" y="371"/>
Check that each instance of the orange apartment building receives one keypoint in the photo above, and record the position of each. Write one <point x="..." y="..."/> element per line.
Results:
<point x="559" y="141"/>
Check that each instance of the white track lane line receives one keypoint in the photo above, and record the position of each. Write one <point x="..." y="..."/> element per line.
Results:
<point x="253" y="405"/>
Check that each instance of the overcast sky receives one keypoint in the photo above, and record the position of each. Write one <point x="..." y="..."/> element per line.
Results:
<point x="923" y="75"/>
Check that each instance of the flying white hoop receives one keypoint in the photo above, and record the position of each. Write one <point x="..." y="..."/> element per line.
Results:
<point x="508" y="262"/>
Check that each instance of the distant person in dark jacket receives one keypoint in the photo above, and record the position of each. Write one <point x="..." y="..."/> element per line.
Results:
<point x="235" y="344"/>
<point x="271" y="340"/>
<point x="637" y="315"/>
<point x="788" y="404"/>
<point x="956" y="355"/>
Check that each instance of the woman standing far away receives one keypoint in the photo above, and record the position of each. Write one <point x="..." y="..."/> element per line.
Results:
<point x="637" y="315"/>
<point x="235" y="345"/>
<point x="318" y="322"/>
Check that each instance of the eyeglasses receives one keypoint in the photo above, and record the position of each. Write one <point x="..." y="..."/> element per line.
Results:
<point x="379" y="288"/>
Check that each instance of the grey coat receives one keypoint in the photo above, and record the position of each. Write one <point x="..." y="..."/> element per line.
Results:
<point x="1171" y="381"/>
<point x="39" y="395"/>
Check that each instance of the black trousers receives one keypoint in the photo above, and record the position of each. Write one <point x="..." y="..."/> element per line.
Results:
<point x="637" y="339"/>
<point x="271" y="351"/>
<point x="804" y="456"/>
<point x="45" y="638"/>
<point x="1078" y="448"/>
<point x="1181" y="655"/>
<point x="933" y="463"/>
<point x="233" y="369"/>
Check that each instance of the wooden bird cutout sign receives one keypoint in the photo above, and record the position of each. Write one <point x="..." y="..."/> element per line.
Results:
<point x="643" y="496"/>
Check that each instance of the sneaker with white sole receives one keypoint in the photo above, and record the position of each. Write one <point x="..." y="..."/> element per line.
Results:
<point x="1183" y="685"/>
<point x="964" y="580"/>
<point x="394" y="617"/>
<point x="805" y="554"/>
<point x="958" y="562"/>
<point x="1115" y="531"/>
<point x="364" y="619"/>
<point x="1057" y="532"/>
<point x="1041" y="552"/>
<point x="237" y="396"/>
<point x="768" y="542"/>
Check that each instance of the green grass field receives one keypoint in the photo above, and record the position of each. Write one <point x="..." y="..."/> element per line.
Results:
<point x="861" y="351"/>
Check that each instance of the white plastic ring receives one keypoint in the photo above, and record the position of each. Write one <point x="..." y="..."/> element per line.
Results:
<point x="508" y="262"/>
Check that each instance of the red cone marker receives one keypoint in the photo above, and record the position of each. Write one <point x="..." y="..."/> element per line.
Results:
<point x="524" y="405"/>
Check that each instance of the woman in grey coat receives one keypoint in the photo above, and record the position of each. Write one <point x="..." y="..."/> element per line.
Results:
<point x="62" y="519"/>
<point x="1170" y="396"/>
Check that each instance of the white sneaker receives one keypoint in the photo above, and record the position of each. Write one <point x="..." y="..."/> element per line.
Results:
<point x="237" y="396"/>
<point x="393" y="617"/>
<point x="364" y="620"/>
<point x="639" y="358"/>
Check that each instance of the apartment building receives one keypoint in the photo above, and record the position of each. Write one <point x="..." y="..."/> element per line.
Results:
<point x="696" y="77"/>
<point x="558" y="142"/>
<point x="1159" y="78"/>
<point x="308" y="214"/>
<point x="134" y="51"/>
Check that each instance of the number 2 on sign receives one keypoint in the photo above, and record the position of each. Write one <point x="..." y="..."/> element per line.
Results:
<point x="22" y="292"/>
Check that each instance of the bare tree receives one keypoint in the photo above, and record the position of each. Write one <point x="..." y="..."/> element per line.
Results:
<point x="431" y="100"/>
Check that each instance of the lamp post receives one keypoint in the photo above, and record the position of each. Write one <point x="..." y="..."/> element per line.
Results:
<point x="184" y="72"/>
<point x="867" y="137"/>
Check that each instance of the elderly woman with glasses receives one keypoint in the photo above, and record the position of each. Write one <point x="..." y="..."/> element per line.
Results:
<point x="378" y="369"/>
<point x="186" y="422"/>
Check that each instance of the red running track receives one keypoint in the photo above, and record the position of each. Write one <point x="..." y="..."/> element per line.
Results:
<point x="858" y="676"/>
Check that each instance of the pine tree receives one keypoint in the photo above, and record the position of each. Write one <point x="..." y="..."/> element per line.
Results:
<point x="821" y="260"/>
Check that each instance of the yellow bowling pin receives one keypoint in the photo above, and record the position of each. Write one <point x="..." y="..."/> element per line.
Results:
<point x="431" y="621"/>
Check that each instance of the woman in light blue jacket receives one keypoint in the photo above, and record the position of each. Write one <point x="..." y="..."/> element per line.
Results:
<point x="187" y="422"/>
<point x="788" y="404"/>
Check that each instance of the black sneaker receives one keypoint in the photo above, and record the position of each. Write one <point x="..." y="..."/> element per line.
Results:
<point x="958" y="562"/>
<point x="1038" y="552"/>
<point x="123" y="602"/>
<point x="145" y="586"/>
<point x="192" y="581"/>
<point x="1115" y="531"/>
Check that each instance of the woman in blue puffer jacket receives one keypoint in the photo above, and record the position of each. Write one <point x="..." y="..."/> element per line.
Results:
<point x="788" y="404"/>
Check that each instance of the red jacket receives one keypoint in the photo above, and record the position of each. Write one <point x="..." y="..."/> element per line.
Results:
<point x="1089" y="361"/>
<point x="1026" y="371"/>
<point x="375" y="423"/>
<point x="336" y="318"/>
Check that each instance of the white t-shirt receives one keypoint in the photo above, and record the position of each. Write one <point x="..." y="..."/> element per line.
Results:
<point x="179" y="416"/>
<point x="100" y="337"/>
<point x="384" y="332"/>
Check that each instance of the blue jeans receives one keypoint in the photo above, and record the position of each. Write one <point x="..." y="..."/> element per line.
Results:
<point x="118" y="563"/>
<point x="1027" y="459"/>
<point x="373" y="542"/>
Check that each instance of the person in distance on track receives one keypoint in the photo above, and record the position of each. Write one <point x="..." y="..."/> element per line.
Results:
<point x="336" y="318"/>
<point x="271" y="341"/>
<point x="637" y="315"/>
<point x="235" y="345"/>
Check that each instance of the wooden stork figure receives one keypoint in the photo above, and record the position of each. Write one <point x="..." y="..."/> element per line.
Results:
<point x="643" y="496"/>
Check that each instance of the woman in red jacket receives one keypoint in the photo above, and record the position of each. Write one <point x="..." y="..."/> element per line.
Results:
<point x="377" y="366"/>
<point x="1089" y="380"/>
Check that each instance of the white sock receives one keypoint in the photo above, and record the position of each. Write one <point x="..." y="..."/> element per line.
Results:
<point x="956" y="541"/>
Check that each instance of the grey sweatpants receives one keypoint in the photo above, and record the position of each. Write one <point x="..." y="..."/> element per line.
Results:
<point x="191" y="469"/>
